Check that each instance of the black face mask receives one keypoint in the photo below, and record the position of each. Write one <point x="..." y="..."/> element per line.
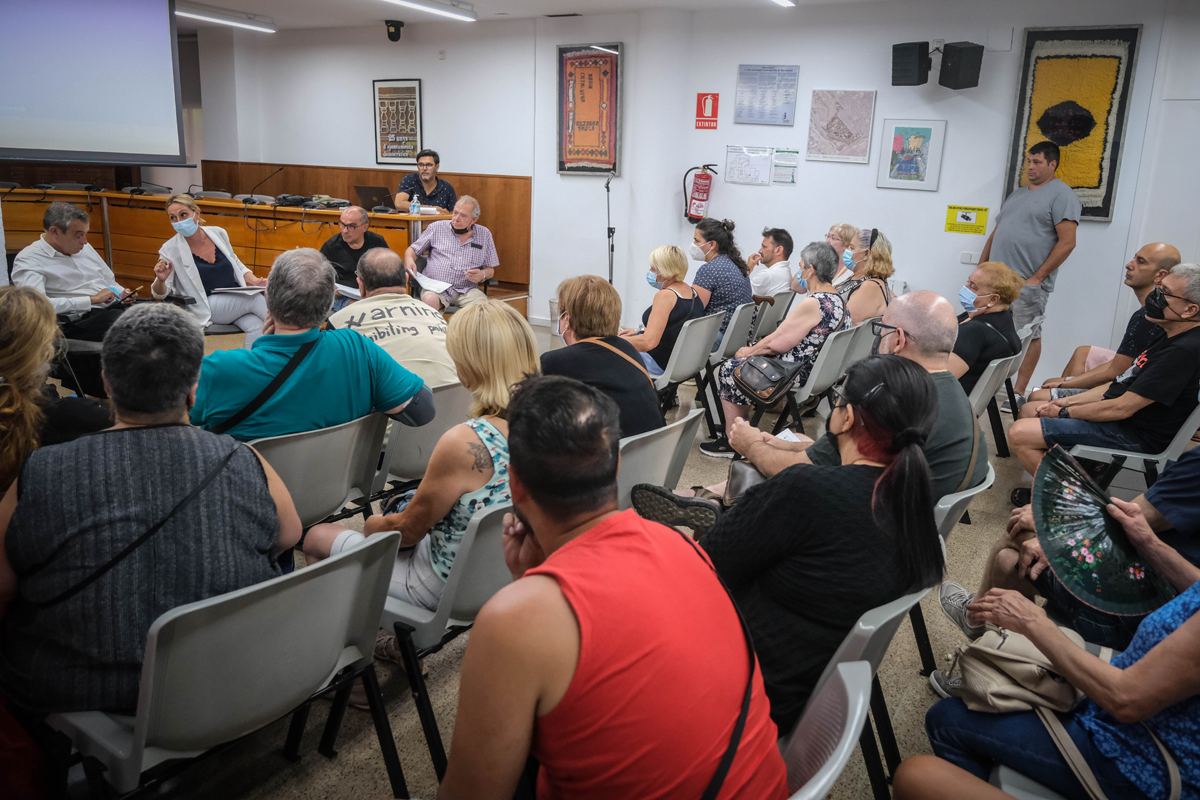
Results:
<point x="459" y="231"/>
<point x="1156" y="304"/>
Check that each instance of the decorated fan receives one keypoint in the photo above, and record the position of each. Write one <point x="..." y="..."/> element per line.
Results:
<point x="1088" y="550"/>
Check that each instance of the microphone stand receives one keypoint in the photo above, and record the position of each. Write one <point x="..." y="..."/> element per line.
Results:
<point x="611" y="230"/>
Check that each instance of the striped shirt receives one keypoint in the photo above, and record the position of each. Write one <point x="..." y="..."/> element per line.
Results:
<point x="450" y="257"/>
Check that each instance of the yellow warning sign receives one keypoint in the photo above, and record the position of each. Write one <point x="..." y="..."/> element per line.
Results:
<point x="966" y="219"/>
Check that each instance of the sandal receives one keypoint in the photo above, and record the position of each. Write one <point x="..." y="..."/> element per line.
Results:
<point x="662" y="505"/>
<point x="1021" y="497"/>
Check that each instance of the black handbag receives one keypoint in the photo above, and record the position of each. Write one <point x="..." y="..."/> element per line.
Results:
<point x="765" y="379"/>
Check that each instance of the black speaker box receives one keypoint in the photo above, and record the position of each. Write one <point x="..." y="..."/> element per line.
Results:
<point x="960" y="65"/>
<point x="910" y="64"/>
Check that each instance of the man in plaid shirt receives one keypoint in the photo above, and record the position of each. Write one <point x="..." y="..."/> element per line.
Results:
<point x="461" y="253"/>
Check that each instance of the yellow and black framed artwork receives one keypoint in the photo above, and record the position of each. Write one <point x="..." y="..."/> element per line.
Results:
<point x="1074" y="91"/>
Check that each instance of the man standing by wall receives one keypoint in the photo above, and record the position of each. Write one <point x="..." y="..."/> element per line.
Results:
<point x="1034" y="234"/>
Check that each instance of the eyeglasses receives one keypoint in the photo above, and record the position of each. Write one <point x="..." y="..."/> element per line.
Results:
<point x="879" y="329"/>
<point x="426" y="166"/>
<point x="1165" y="293"/>
<point x="349" y="226"/>
<point x="839" y="398"/>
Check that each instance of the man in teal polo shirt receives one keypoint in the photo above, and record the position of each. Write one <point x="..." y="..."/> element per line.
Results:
<point x="342" y="377"/>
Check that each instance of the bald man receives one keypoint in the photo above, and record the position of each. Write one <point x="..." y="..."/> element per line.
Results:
<point x="345" y="248"/>
<point x="922" y="327"/>
<point x="1093" y="366"/>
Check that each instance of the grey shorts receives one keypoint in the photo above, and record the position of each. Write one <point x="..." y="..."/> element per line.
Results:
<point x="1058" y="394"/>
<point x="1031" y="303"/>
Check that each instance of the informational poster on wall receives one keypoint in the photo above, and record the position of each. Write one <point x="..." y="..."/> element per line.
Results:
<point x="747" y="165"/>
<point x="839" y="127"/>
<point x="966" y="219"/>
<point x="766" y="94"/>
<point x="397" y="121"/>
<point x="784" y="165"/>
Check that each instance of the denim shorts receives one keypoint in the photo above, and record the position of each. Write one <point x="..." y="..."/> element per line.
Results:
<point x="1070" y="432"/>
<point x="1094" y="625"/>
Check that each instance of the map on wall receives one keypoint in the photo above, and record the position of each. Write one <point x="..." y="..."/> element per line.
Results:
<point x="839" y="126"/>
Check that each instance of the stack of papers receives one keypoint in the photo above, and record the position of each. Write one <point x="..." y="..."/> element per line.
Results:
<point x="432" y="284"/>
<point x="241" y="290"/>
<point x="349" y="291"/>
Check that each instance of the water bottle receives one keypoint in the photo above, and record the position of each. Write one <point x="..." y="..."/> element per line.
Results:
<point x="414" y="207"/>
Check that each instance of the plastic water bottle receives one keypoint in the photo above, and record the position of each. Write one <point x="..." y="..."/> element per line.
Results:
<point x="414" y="207"/>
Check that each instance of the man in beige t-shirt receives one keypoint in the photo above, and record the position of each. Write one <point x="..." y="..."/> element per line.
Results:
<point x="413" y="333"/>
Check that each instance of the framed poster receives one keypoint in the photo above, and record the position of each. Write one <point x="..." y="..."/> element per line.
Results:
<point x="839" y="126"/>
<point x="1074" y="91"/>
<point x="397" y="121"/>
<point x="589" y="108"/>
<point x="910" y="155"/>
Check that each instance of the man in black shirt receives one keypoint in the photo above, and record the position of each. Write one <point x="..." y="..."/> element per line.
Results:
<point x="346" y="248"/>
<point x="426" y="186"/>
<point x="1141" y="410"/>
<point x="1144" y="270"/>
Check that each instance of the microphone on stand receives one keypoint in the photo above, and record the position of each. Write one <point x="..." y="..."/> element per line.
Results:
<point x="249" y="199"/>
<point x="612" y="174"/>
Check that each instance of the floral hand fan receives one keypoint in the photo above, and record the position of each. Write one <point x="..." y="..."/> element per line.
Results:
<point x="1088" y="550"/>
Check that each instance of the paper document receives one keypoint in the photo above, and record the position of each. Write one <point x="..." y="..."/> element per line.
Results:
<point x="432" y="284"/>
<point x="429" y="210"/>
<point x="349" y="291"/>
<point x="241" y="290"/>
<point x="788" y="436"/>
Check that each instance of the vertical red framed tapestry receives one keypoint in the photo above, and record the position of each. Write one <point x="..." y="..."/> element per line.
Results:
<point x="589" y="108"/>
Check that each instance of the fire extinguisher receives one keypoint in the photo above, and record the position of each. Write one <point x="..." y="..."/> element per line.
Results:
<point x="697" y="206"/>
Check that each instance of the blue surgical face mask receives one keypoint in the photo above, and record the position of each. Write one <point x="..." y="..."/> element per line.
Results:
<point x="187" y="227"/>
<point x="848" y="259"/>
<point x="967" y="298"/>
<point x="558" y="327"/>
<point x="802" y="283"/>
<point x="650" y="276"/>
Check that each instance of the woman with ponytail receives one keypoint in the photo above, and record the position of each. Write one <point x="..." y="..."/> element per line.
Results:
<point x="723" y="283"/>
<point x="806" y="553"/>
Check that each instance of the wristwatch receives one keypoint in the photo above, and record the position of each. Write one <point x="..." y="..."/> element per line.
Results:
<point x="1064" y="413"/>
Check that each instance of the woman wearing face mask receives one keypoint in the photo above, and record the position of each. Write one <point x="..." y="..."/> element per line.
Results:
<point x="723" y="283"/>
<point x="807" y="552"/>
<point x="986" y="331"/>
<point x="200" y="260"/>
<point x="674" y="304"/>
<point x="870" y="258"/>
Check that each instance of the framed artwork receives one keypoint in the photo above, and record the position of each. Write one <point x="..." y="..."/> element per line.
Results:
<point x="589" y="108"/>
<point x="1074" y="91"/>
<point x="839" y="126"/>
<point x="910" y="155"/>
<point x="397" y="121"/>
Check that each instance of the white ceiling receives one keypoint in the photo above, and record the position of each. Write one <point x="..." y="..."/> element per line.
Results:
<point x="351" y="13"/>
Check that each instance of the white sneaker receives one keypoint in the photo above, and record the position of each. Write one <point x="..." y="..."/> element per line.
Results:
<point x="954" y="600"/>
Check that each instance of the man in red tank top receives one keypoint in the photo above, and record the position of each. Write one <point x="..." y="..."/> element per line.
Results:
<point x="615" y="659"/>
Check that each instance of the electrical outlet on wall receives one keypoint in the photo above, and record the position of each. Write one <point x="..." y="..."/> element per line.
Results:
<point x="937" y="43"/>
<point x="969" y="258"/>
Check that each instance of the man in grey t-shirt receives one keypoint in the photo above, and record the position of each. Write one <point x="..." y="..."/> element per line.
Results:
<point x="1034" y="234"/>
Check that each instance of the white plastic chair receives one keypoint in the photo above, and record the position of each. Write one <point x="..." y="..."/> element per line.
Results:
<point x="983" y="396"/>
<point x="691" y="352"/>
<point x="1150" y="461"/>
<point x="409" y="449"/>
<point x="221" y="668"/>
<point x="864" y="340"/>
<point x="824" y="738"/>
<point x="326" y="468"/>
<point x="478" y="573"/>
<point x="771" y="314"/>
<point x="827" y="370"/>
<point x="1020" y="787"/>
<point x="656" y="457"/>
<point x="737" y="335"/>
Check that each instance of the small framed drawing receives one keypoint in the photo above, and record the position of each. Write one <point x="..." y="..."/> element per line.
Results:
<point x="911" y="156"/>
<point x="397" y="121"/>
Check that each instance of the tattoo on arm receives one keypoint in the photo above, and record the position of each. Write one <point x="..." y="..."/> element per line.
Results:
<point x="483" y="459"/>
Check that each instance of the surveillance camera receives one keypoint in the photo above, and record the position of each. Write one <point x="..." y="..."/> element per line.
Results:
<point x="394" y="27"/>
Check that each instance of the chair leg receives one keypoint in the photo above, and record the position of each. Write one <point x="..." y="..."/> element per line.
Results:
<point x="997" y="429"/>
<point x="93" y="770"/>
<point x="883" y="720"/>
<point x="333" y="722"/>
<point x="1012" y="397"/>
<point x="965" y="519"/>
<point x="291" y="747"/>
<point x="1151" y="473"/>
<point x="757" y="415"/>
<point x="383" y="731"/>
<point x="1113" y="470"/>
<point x="790" y="411"/>
<point x="870" y="753"/>
<point x="703" y="379"/>
<point x="921" y="634"/>
<point x="416" y="682"/>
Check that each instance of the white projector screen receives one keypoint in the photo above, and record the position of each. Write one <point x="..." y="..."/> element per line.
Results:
<point x="89" y="81"/>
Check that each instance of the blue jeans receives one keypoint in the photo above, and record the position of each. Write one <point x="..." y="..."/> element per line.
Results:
<point x="1070" y="432"/>
<point x="340" y="302"/>
<point x="651" y="365"/>
<point x="974" y="741"/>
<point x="1098" y="627"/>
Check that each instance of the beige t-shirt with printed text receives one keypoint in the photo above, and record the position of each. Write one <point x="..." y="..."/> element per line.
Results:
<point x="413" y="333"/>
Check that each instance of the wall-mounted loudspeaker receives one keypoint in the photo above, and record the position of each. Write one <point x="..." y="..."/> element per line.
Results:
<point x="910" y="64"/>
<point x="960" y="65"/>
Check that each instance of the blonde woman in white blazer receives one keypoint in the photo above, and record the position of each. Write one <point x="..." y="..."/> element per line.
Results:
<point x="200" y="259"/>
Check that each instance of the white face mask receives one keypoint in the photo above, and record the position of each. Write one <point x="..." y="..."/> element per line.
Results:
<point x="696" y="252"/>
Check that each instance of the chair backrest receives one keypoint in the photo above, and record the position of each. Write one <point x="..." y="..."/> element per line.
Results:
<point x="827" y="735"/>
<point x="215" y="195"/>
<point x="991" y="380"/>
<point x="261" y="198"/>
<point x="737" y="333"/>
<point x="692" y="348"/>
<point x="409" y="449"/>
<point x="1183" y="436"/>
<point x="771" y="314"/>
<point x="864" y="340"/>
<point x="651" y="457"/>
<point x="830" y="365"/>
<point x="949" y="509"/>
<point x="323" y="469"/>
<point x="205" y="677"/>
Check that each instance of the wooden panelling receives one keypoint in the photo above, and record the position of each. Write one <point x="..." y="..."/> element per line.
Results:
<point x="23" y="210"/>
<point x="506" y="200"/>
<point x="106" y="175"/>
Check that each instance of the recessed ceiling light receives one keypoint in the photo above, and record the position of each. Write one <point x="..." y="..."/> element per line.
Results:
<point x="453" y="10"/>
<point x="784" y="3"/>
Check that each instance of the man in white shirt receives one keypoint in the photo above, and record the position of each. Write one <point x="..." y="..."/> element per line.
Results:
<point x="409" y="330"/>
<point x="66" y="269"/>
<point x="770" y="271"/>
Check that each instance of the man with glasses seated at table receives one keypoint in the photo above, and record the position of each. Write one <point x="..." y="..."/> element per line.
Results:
<point x="345" y="249"/>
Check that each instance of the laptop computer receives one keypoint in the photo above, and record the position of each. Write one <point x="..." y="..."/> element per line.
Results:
<point x="371" y="196"/>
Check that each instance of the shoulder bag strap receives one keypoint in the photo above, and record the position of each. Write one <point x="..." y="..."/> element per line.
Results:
<point x="267" y="393"/>
<point x="1070" y="753"/>
<point x="1172" y="767"/>
<point x="718" y="779"/>
<point x="998" y="333"/>
<point x="975" y="434"/>
<point x="641" y="367"/>
<point x="136" y="543"/>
